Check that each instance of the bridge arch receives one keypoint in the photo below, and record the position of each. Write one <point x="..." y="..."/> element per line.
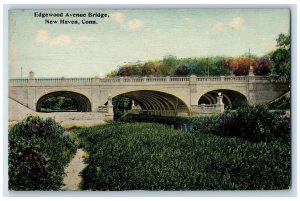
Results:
<point x="82" y="102"/>
<point x="231" y="98"/>
<point x="156" y="102"/>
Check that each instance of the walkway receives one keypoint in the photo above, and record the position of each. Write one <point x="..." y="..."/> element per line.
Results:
<point x="72" y="179"/>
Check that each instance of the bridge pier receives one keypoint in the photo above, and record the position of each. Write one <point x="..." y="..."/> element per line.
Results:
<point x="220" y="104"/>
<point x="110" y="108"/>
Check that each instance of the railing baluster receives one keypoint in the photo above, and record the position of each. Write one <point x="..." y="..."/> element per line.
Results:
<point x="140" y="79"/>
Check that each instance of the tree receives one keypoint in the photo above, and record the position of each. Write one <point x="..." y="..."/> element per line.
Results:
<point x="130" y="70"/>
<point x="182" y="70"/>
<point x="262" y="66"/>
<point x="198" y="66"/>
<point x="281" y="57"/>
<point x="241" y="66"/>
<point x="125" y="71"/>
<point x="149" y="68"/>
<point x="168" y="65"/>
<point x="218" y="66"/>
<point x="113" y="73"/>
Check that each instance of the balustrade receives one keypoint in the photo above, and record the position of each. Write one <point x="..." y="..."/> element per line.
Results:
<point x="139" y="80"/>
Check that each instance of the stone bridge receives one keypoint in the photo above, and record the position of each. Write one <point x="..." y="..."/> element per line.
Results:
<point x="152" y="95"/>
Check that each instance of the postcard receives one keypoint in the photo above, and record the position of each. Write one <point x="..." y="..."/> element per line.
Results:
<point x="166" y="99"/>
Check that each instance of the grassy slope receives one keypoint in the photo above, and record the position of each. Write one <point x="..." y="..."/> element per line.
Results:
<point x="145" y="156"/>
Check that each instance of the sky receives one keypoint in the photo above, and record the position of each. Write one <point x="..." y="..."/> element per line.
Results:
<point x="128" y="36"/>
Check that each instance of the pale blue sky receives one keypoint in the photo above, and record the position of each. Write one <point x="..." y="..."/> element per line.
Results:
<point x="131" y="35"/>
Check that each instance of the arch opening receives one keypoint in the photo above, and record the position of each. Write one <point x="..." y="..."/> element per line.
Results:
<point x="63" y="101"/>
<point x="153" y="103"/>
<point x="231" y="99"/>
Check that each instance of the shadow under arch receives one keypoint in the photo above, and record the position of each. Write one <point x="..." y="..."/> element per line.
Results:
<point x="154" y="102"/>
<point x="231" y="99"/>
<point x="83" y="103"/>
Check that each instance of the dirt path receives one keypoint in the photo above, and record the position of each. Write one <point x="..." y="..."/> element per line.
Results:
<point x="72" y="178"/>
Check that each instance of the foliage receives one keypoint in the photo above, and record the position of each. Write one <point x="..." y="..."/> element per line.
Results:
<point x="172" y="66"/>
<point x="121" y="157"/>
<point x="283" y="103"/>
<point x="39" y="149"/>
<point x="113" y="73"/>
<point x="215" y="66"/>
<point x="129" y="70"/>
<point x="122" y="105"/>
<point x="262" y="66"/>
<point x="182" y="70"/>
<point x="168" y="66"/>
<point x="149" y="68"/>
<point x="281" y="57"/>
<point x="241" y="66"/>
<point x="255" y="123"/>
<point x="59" y="103"/>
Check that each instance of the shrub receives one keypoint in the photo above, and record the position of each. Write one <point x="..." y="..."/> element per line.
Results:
<point x="121" y="157"/>
<point x="39" y="149"/>
<point x="252" y="123"/>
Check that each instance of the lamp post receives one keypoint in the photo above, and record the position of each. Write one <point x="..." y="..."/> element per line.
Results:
<point x="249" y="59"/>
<point x="207" y="66"/>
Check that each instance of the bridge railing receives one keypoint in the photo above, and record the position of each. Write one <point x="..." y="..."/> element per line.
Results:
<point x="62" y="80"/>
<point x="18" y="81"/>
<point x="201" y="79"/>
<point x="88" y="81"/>
<point x="236" y="78"/>
<point x="205" y="107"/>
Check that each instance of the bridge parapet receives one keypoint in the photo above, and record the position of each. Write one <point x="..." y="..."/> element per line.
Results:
<point x="118" y="80"/>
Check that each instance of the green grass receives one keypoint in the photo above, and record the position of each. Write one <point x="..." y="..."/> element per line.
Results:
<point x="147" y="156"/>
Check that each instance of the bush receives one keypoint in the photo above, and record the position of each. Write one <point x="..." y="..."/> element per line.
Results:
<point x="39" y="149"/>
<point x="121" y="157"/>
<point x="252" y="123"/>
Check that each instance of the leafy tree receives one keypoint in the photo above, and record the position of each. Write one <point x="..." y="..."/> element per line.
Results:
<point x="241" y="66"/>
<point x="217" y="66"/>
<point x="182" y="70"/>
<point x="125" y="71"/>
<point x="113" y="73"/>
<point x="262" y="66"/>
<point x="199" y="66"/>
<point x="149" y="68"/>
<point x="281" y="57"/>
<point x="168" y="65"/>
<point x="130" y="70"/>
